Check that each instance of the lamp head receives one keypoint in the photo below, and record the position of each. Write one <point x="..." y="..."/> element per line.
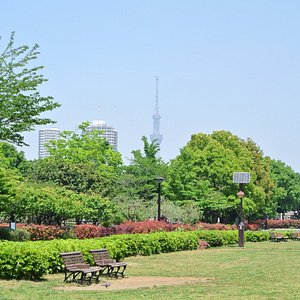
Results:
<point x="240" y="194"/>
<point x="159" y="179"/>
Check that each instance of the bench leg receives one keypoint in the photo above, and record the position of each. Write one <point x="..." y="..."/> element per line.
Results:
<point x="122" y="272"/>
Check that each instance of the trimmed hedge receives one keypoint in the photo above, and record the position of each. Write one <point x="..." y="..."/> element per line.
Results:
<point x="280" y="224"/>
<point x="83" y="231"/>
<point x="31" y="260"/>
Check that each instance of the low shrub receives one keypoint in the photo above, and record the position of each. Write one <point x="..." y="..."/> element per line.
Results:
<point x="278" y="223"/>
<point x="84" y="231"/>
<point x="203" y="245"/>
<point x="18" y="235"/>
<point x="216" y="226"/>
<point x="43" y="232"/>
<point x="31" y="260"/>
<point x="257" y="236"/>
<point x="5" y="233"/>
<point x="252" y="227"/>
<point x="87" y="231"/>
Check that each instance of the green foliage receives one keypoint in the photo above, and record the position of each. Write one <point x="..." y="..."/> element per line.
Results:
<point x="287" y="191"/>
<point x="141" y="173"/>
<point x="81" y="161"/>
<point x="184" y="212"/>
<point x="256" y="236"/>
<point x="133" y="209"/>
<point x="20" y="102"/>
<point x="150" y="149"/>
<point x="26" y="260"/>
<point x="12" y="158"/>
<point x="203" y="173"/>
<point x="52" y="205"/>
<point x="85" y="146"/>
<point x="18" y="235"/>
<point x="31" y="260"/>
<point x="9" y="182"/>
<point x="78" y="177"/>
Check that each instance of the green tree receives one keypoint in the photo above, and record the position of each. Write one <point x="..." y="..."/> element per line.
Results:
<point x="10" y="208"/>
<point x="143" y="169"/>
<point x="85" y="146"/>
<point x="14" y="159"/>
<point x="203" y="173"/>
<point x="81" y="161"/>
<point x="287" y="191"/>
<point x="52" y="205"/>
<point x="20" y="101"/>
<point x="136" y="187"/>
<point x="78" y="177"/>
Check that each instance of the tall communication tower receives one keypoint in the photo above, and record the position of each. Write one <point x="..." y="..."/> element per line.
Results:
<point x="156" y="137"/>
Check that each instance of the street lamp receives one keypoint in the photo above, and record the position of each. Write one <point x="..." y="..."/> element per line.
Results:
<point x="240" y="195"/>
<point x="241" y="178"/>
<point x="159" y="180"/>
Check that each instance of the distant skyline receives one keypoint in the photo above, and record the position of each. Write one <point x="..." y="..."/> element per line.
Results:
<point x="222" y="65"/>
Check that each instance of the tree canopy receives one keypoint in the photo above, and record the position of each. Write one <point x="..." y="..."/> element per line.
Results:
<point x="21" y="104"/>
<point x="203" y="173"/>
<point x="287" y="191"/>
<point x="82" y="161"/>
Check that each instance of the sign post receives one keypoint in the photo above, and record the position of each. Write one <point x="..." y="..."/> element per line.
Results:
<point x="241" y="178"/>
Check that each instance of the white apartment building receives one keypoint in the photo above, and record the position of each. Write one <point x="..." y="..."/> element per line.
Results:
<point x="108" y="132"/>
<point x="46" y="135"/>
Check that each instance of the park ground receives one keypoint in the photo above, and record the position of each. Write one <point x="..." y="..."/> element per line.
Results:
<point x="266" y="270"/>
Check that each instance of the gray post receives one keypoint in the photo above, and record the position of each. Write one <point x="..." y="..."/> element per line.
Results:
<point x="159" y="180"/>
<point x="241" y="225"/>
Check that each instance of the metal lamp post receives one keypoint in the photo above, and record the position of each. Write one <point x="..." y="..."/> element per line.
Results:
<point x="159" y="180"/>
<point x="241" y="194"/>
<point x="241" y="178"/>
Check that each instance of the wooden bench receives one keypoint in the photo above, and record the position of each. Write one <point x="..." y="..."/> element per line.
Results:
<point x="77" y="270"/>
<point x="277" y="237"/>
<point x="112" y="267"/>
<point x="295" y="236"/>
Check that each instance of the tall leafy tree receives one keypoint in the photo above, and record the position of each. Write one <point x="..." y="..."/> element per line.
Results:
<point x="9" y="182"/>
<point x="144" y="168"/>
<point x="287" y="190"/>
<point x="203" y="173"/>
<point x="21" y="104"/>
<point x="85" y="146"/>
<point x="14" y="159"/>
<point x="82" y="161"/>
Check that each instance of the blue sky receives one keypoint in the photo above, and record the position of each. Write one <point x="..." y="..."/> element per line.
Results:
<point x="223" y="65"/>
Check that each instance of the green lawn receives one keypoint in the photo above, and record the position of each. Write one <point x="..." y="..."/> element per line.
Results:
<point x="259" y="271"/>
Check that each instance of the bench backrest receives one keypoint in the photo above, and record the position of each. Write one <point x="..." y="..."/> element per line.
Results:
<point x="101" y="256"/>
<point x="72" y="259"/>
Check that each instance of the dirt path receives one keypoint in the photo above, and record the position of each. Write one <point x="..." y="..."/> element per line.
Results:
<point x="135" y="282"/>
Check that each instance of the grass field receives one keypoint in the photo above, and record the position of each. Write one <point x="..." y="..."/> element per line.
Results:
<point x="259" y="271"/>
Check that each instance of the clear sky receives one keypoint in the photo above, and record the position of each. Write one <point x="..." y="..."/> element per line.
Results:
<point x="223" y="65"/>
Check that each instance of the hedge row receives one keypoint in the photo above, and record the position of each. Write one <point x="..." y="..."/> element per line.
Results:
<point x="31" y="260"/>
<point x="48" y="232"/>
<point x="278" y="223"/>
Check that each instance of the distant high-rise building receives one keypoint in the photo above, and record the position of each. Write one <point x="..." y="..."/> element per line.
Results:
<point x="46" y="135"/>
<point x="108" y="132"/>
<point x="156" y="137"/>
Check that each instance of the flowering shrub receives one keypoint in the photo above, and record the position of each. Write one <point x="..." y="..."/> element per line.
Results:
<point x="43" y="232"/>
<point x="216" y="226"/>
<point x="279" y="223"/>
<point x="202" y="245"/>
<point x="252" y="227"/>
<point x="87" y="231"/>
<point x="146" y="227"/>
<point x="83" y="231"/>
